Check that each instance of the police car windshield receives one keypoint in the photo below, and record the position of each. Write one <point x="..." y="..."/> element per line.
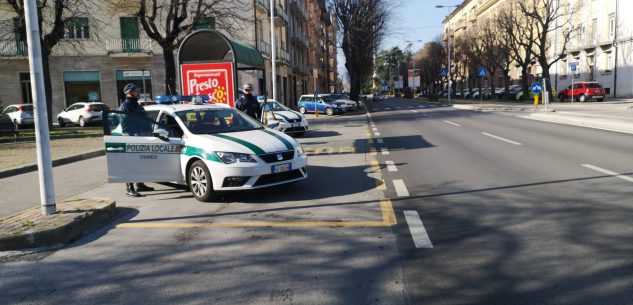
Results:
<point x="210" y="121"/>
<point x="275" y="106"/>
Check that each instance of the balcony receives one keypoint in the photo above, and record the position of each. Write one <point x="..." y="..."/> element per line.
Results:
<point x="12" y="48"/>
<point x="282" y="57"/>
<point x="299" y="39"/>
<point x="126" y="47"/>
<point x="264" y="48"/>
<point x="281" y="17"/>
<point x="263" y="6"/>
<point x="297" y="8"/>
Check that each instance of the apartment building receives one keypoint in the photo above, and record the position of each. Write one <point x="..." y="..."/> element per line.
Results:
<point x="600" y="48"/>
<point x="98" y="57"/>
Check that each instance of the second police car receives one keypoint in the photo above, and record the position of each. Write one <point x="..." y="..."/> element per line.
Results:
<point x="209" y="147"/>
<point x="282" y="118"/>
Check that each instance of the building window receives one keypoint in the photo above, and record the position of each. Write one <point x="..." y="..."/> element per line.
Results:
<point x="82" y="86"/>
<point x="611" y="26"/>
<point x="205" y="23"/>
<point x="608" y="65"/>
<point x="77" y="28"/>
<point x="25" y="87"/>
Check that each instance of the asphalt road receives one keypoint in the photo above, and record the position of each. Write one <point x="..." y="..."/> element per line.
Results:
<point x="517" y="211"/>
<point x="499" y="210"/>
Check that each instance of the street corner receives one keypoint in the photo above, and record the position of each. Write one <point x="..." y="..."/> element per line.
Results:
<point x="74" y="218"/>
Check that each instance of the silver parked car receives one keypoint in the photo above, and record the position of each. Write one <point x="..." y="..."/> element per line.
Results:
<point x="20" y="114"/>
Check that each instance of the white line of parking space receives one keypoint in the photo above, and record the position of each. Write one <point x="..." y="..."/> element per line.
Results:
<point x="391" y="166"/>
<point x="501" y="138"/>
<point x="453" y="123"/>
<point x="607" y="172"/>
<point x="418" y="232"/>
<point x="384" y="151"/>
<point x="401" y="188"/>
<point x="415" y="111"/>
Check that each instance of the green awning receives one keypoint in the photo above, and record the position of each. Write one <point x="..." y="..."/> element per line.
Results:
<point x="210" y="45"/>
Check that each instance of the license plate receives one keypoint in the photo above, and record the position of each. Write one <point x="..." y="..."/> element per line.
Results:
<point x="296" y="124"/>
<point x="598" y="96"/>
<point x="280" y="168"/>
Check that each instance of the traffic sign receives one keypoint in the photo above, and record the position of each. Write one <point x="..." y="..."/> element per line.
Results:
<point x="443" y="72"/>
<point x="536" y="88"/>
<point x="573" y="67"/>
<point x="482" y="72"/>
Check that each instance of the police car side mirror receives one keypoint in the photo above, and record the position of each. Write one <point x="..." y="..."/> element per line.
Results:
<point x="162" y="134"/>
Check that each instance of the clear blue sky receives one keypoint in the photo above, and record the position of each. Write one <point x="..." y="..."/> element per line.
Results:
<point x="412" y="20"/>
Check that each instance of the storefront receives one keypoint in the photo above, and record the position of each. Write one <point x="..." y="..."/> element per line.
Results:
<point x="141" y="78"/>
<point x="82" y="86"/>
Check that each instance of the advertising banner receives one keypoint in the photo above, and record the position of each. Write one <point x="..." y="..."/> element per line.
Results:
<point x="214" y="80"/>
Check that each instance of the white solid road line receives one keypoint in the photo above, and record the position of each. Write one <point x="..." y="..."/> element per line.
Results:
<point x="418" y="232"/>
<point x="501" y="139"/>
<point x="384" y="151"/>
<point x="380" y="141"/>
<point x="391" y="166"/>
<point x="452" y="123"/>
<point x="415" y="111"/>
<point x="376" y="133"/>
<point x="427" y="115"/>
<point x="401" y="189"/>
<point x="608" y="172"/>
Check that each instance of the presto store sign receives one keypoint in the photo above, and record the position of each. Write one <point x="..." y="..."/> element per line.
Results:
<point x="212" y="79"/>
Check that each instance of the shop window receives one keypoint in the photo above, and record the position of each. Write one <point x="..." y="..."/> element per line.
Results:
<point x="82" y="86"/>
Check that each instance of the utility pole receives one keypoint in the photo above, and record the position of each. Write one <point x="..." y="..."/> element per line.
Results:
<point x="42" y="138"/>
<point x="273" y="56"/>
<point x="448" y="42"/>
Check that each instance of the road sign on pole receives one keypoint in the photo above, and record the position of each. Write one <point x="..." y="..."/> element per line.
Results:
<point x="443" y="72"/>
<point x="536" y="88"/>
<point x="482" y="72"/>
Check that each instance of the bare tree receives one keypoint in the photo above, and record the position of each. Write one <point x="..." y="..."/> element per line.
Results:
<point x="489" y="49"/>
<point x="362" y="25"/>
<point x="168" y="22"/>
<point x="520" y="39"/>
<point x="548" y="17"/>
<point x="57" y="20"/>
<point x="429" y="60"/>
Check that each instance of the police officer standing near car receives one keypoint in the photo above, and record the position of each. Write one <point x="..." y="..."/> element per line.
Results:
<point x="131" y="106"/>
<point x="248" y="103"/>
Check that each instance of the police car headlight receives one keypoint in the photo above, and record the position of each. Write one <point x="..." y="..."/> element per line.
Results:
<point x="229" y="157"/>
<point x="299" y="150"/>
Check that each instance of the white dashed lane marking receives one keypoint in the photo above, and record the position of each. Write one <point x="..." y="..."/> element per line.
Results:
<point x="452" y="123"/>
<point x="384" y="151"/>
<point x="418" y="232"/>
<point x="401" y="188"/>
<point x="391" y="166"/>
<point x="501" y="139"/>
<point x="608" y="172"/>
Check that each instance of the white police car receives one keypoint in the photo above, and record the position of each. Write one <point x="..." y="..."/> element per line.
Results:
<point x="208" y="147"/>
<point x="282" y="118"/>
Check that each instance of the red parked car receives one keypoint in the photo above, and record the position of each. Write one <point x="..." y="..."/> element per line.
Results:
<point x="582" y="92"/>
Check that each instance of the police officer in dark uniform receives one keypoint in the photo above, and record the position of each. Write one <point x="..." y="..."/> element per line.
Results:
<point x="248" y="103"/>
<point x="133" y="126"/>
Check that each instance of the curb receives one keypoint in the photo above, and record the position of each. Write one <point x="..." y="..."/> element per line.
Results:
<point x="492" y="109"/>
<point x="82" y="221"/>
<point x="62" y="161"/>
<point x="580" y="123"/>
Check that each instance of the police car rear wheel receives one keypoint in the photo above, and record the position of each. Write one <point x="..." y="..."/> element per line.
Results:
<point x="200" y="181"/>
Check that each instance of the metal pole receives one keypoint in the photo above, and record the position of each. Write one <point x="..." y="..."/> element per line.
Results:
<point x="615" y="44"/>
<point x="144" y="92"/>
<point x="42" y="139"/>
<point x="448" y="39"/>
<point x="572" y="86"/>
<point x="272" y="47"/>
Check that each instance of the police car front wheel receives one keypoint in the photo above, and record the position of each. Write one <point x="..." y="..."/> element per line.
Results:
<point x="200" y="182"/>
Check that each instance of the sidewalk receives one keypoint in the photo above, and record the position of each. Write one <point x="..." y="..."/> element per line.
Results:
<point x="614" y="115"/>
<point x="17" y="158"/>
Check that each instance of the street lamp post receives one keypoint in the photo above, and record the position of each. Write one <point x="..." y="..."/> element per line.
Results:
<point x="448" y="42"/>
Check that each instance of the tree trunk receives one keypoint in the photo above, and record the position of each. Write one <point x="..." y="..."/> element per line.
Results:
<point x="506" y="83"/>
<point x="492" y="83"/>
<point x="548" y="83"/>
<point x="170" y="71"/>
<point x="48" y="89"/>
<point x="524" y="82"/>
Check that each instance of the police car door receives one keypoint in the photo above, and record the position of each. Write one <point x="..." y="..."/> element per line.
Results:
<point x="139" y="149"/>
